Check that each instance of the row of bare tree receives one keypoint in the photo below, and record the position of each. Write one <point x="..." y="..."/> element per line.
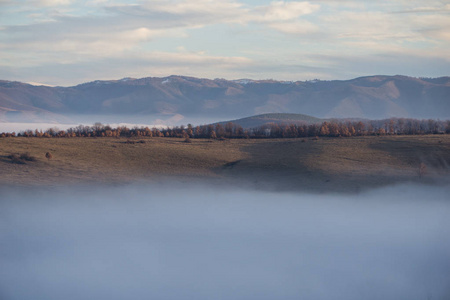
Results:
<point x="331" y="128"/>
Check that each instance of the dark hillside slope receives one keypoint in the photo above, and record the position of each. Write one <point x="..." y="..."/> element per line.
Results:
<point x="279" y="118"/>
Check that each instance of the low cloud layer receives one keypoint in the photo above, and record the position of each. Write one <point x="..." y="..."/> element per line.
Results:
<point x="175" y="241"/>
<point x="66" y="42"/>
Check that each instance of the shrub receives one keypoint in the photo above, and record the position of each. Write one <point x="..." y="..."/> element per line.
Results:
<point x="21" y="158"/>
<point x="27" y="157"/>
<point x="15" y="158"/>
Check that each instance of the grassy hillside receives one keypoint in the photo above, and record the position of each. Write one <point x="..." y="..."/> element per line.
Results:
<point x="328" y="164"/>
<point x="277" y="118"/>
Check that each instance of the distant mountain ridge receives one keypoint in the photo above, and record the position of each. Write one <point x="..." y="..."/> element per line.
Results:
<point x="372" y="97"/>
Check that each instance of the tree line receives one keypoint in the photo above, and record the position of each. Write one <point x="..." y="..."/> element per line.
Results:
<point x="332" y="128"/>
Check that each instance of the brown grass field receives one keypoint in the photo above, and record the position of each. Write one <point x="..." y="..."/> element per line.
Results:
<point x="327" y="164"/>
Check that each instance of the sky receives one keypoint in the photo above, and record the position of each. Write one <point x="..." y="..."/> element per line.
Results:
<point x="65" y="42"/>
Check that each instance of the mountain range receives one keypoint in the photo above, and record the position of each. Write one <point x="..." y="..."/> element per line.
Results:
<point x="372" y="97"/>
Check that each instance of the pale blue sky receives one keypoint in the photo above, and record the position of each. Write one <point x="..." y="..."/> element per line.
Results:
<point x="65" y="42"/>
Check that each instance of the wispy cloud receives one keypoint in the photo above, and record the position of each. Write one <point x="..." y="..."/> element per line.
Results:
<point x="53" y="2"/>
<point x="285" y="11"/>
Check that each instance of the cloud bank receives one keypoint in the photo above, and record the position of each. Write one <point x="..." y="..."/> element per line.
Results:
<point x="178" y="241"/>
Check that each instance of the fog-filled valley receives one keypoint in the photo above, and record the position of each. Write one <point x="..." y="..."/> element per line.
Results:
<point x="176" y="240"/>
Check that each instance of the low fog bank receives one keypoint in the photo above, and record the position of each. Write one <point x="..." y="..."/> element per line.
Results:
<point x="71" y="121"/>
<point x="21" y="127"/>
<point x="195" y="242"/>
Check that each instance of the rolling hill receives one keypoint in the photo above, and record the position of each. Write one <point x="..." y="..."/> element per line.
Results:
<point x="278" y="118"/>
<point x="325" y="164"/>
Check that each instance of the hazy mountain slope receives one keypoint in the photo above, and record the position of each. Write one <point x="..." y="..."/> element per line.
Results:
<point x="25" y="102"/>
<point x="373" y="97"/>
